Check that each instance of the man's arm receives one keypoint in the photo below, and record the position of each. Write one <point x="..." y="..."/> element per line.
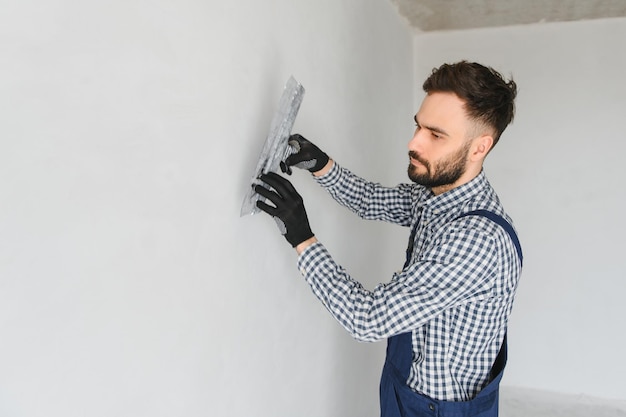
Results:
<point x="440" y="282"/>
<point x="368" y="200"/>
<point x="413" y="296"/>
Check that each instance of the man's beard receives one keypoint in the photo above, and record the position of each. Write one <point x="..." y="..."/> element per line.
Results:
<point x="447" y="171"/>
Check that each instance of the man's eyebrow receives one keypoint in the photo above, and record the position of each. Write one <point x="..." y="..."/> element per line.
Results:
<point x="431" y="128"/>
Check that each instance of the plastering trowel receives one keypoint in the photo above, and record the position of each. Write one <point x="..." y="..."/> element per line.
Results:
<point x="276" y="147"/>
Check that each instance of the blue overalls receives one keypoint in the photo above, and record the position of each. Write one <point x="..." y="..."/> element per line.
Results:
<point x="398" y="400"/>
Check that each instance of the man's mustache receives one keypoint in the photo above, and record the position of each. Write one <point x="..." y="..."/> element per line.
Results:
<point x="415" y="155"/>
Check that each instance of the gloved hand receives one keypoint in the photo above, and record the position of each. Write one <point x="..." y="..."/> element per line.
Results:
<point x="288" y="210"/>
<point x="305" y="156"/>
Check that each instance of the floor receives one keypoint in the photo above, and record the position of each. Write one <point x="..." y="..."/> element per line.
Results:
<point x="522" y="402"/>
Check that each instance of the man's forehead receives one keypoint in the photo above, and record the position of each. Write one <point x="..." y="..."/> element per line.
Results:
<point x="443" y="112"/>
<point x="442" y="104"/>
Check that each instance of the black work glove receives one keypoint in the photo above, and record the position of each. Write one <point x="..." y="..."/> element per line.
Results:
<point x="288" y="210"/>
<point x="305" y="156"/>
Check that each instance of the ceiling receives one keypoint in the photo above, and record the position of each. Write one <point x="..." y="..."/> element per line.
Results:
<point x="438" y="15"/>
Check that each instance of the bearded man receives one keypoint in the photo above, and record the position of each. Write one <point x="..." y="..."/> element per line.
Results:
<point x="445" y="313"/>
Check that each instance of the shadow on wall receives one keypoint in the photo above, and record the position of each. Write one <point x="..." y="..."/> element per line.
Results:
<point x="522" y="402"/>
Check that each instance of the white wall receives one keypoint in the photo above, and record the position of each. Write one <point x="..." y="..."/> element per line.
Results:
<point x="129" y="286"/>
<point x="560" y="171"/>
<point x="129" y="130"/>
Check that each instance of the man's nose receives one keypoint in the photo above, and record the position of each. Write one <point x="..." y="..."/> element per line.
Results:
<point x="414" y="143"/>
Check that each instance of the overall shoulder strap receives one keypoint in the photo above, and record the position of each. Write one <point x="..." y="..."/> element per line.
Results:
<point x="503" y="223"/>
<point x="500" y="361"/>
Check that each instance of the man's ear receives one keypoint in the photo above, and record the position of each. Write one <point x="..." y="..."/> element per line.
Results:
<point x="482" y="146"/>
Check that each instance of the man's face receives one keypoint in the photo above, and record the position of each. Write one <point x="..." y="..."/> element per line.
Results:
<point x="440" y="146"/>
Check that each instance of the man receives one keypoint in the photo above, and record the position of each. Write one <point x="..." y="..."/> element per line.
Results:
<point x="445" y="314"/>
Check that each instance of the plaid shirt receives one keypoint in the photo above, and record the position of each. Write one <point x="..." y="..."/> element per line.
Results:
<point x="455" y="295"/>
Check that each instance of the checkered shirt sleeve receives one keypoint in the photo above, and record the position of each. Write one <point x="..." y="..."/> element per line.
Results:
<point x="454" y="273"/>
<point x="369" y="200"/>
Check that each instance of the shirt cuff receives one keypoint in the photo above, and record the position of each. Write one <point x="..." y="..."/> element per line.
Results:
<point x="331" y="177"/>
<point x="311" y="258"/>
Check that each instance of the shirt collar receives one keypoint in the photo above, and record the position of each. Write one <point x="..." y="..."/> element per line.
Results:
<point x="458" y="195"/>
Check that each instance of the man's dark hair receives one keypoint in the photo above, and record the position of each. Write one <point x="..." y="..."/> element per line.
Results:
<point x="489" y="98"/>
